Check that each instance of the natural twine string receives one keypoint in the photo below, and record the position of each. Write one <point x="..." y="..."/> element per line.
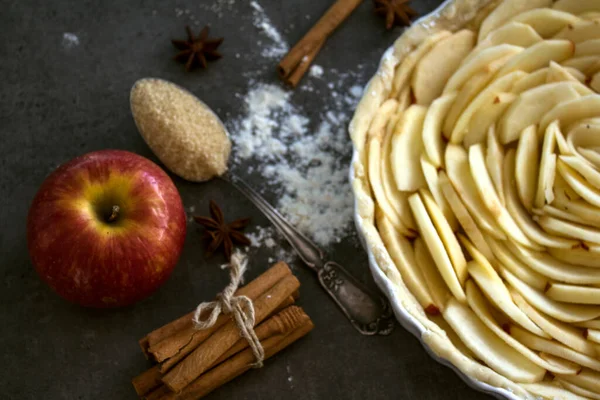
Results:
<point x="240" y="306"/>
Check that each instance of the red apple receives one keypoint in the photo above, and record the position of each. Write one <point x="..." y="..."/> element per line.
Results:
<point x="106" y="229"/>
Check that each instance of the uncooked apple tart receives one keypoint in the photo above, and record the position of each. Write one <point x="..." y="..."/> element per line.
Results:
<point x="477" y="180"/>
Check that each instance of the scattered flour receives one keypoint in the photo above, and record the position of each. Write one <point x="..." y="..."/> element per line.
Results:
<point x="279" y="46"/>
<point x="304" y="161"/>
<point x="219" y="7"/>
<point x="268" y="237"/>
<point x="70" y="40"/>
<point x="316" y="71"/>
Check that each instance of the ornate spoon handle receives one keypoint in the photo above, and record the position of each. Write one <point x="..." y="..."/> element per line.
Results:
<point x="369" y="313"/>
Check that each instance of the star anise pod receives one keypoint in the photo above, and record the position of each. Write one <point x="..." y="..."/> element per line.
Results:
<point x="197" y="50"/>
<point x="396" y="12"/>
<point x="221" y="234"/>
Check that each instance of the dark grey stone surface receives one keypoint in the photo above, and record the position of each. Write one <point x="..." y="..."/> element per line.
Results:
<point x="58" y="102"/>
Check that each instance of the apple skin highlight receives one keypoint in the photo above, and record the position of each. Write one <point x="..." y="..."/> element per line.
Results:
<point x="96" y="259"/>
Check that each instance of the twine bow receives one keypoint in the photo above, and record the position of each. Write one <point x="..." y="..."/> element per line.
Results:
<point x="240" y="306"/>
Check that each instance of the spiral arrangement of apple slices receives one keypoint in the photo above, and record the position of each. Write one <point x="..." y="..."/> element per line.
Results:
<point x="484" y="164"/>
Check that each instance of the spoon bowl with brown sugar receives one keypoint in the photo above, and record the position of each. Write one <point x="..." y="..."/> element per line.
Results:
<point x="192" y="142"/>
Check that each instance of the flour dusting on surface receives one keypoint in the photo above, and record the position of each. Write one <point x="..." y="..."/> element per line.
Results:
<point x="70" y="40"/>
<point x="279" y="46"/>
<point x="316" y="71"/>
<point x="305" y="161"/>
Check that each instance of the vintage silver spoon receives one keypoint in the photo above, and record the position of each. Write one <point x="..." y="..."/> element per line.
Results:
<point x="369" y="313"/>
<point x="153" y="99"/>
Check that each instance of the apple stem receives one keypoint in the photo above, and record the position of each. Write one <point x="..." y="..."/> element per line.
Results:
<point x="114" y="214"/>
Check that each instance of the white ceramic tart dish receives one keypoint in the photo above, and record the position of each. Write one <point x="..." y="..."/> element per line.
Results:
<point x="476" y="175"/>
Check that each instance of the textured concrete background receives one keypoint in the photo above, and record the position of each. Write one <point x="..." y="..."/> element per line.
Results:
<point x="57" y="102"/>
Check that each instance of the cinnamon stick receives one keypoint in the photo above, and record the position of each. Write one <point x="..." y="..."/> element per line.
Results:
<point x="180" y="336"/>
<point x="217" y="344"/>
<point x="237" y="365"/>
<point x="158" y="394"/>
<point x="293" y="78"/>
<point x="314" y="38"/>
<point x="281" y="323"/>
<point x="147" y="381"/>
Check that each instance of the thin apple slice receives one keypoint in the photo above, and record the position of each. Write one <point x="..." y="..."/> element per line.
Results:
<point x="590" y="155"/>
<point x="539" y="56"/>
<point x="505" y="11"/>
<point x="561" y="141"/>
<point x="432" y="128"/>
<point x="580" y="31"/>
<point x="520" y="215"/>
<point x="545" y="180"/>
<point x="563" y="312"/>
<point x="590" y="15"/>
<point x="577" y="7"/>
<point x="568" y="112"/>
<point x="515" y="33"/>
<point x="454" y="338"/>
<point x="557" y="362"/>
<point x="494" y="162"/>
<point x="575" y="211"/>
<point x="531" y="80"/>
<point x="558" y="73"/>
<point x="374" y="163"/>
<point x="402" y="254"/>
<point x="564" y="194"/>
<point x="587" y="48"/>
<point x="577" y="390"/>
<point x="491" y="284"/>
<point x="579" y="185"/>
<point x="584" y="168"/>
<point x="480" y="61"/>
<point x="560" y="213"/>
<point x="546" y="21"/>
<point x="546" y="265"/>
<point x="487" y="115"/>
<point x="550" y="391"/>
<point x="584" y="134"/>
<point x="593" y="335"/>
<point x="459" y="173"/>
<point x="435" y="68"/>
<point x="560" y="331"/>
<point x="578" y="256"/>
<point x="463" y="216"/>
<point x="431" y="176"/>
<point x="509" y="261"/>
<point x="527" y="169"/>
<point x="480" y="307"/>
<point x="486" y="96"/>
<point x="466" y="94"/>
<point x="445" y="233"/>
<point x="490" y="198"/>
<point x="397" y="199"/>
<point x="553" y="347"/>
<point x="569" y="229"/>
<point x="573" y="294"/>
<point x="436" y="246"/>
<point x="407" y="147"/>
<point x="586" y="65"/>
<point x="488" y="347"/>
<point x="531" y="106"/>
<point x="405" y="69"/>
<point x="435" y="282"/>
<point x="586" y="379"/>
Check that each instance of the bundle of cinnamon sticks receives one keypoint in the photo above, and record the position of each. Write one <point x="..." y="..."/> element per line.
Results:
<point x="191" y="363"/>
